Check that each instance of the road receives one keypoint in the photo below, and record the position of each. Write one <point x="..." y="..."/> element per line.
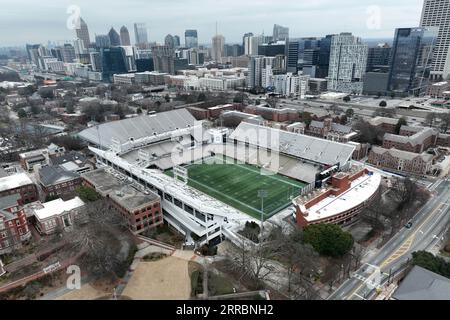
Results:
<point x="429" y="227"/>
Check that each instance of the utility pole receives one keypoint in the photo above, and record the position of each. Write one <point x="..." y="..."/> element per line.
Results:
<point x="262" y="194"/>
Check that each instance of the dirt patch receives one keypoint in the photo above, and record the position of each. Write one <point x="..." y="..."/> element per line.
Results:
<point x="166" y="279"/>
<point x="86" y="292"/>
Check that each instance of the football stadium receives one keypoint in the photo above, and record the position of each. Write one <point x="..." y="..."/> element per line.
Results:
<point x="211" y="181"/>
<point x="237" y="184"/>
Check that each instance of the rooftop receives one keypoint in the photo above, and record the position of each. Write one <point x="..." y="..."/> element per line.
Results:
<point x="118" y="187"/>
<point x="361" y="190"/>
<point x="14" y="181"/>
<point x="400" y="154"/>
<point x="422" y="284"/>
<point x="51" y="175"/>
<point x="57" y="207"/>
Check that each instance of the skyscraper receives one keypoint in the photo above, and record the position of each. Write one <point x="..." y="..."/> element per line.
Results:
<point x="348" y="61"/>
<point x="114" y="37"/>
<point x="140" y="33"/>
<point x="280" y="33"/>
<point x="169" y="41"/>
<point x="164" y="59"/>
<point x="412" y="57"/>
<point x="176" y="39"/>
<point x="125" y="36"/>
<point x="102" y="41"/>
<point x="436" y="13"/>
<point x="113" y="61"/>
<point x="292" y="56"/>
<point x="83" y="33"/>
<point x="379" y="58"/>
<point x="191" y="39"/>
<point x="218" y="47"/>
<point x="256" y="69"/>
<point x="324" y="57"/>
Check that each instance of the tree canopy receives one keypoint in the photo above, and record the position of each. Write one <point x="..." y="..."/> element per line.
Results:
<point x="87" y="194"/>
<point x="430" y="262"/>
<point x="328" y="239"/>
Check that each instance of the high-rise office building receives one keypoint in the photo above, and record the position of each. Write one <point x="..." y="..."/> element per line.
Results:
<point x="125" y="36"/>
<point x="378" y="58"/>
<point x="272" y="49"/>
<point x="233" y="50"/>
<point x="82" y="32"/>
<point x="113" y="62"/>
<point x="436" y="13"/>
<point x="191" y="39"/>
<point x="280" y="33"/>
<point x="348" y="62"/>
<point x="102" y="41"/>
<point x="177" y="42"/>
<point x="141" y="36"/>
<point x="169" y="41"/>
<point x="412" y="58"/>
<point x="114" y="37"/>
<point x="218" y="48"/>
<point x="292" y="56"/>
<point x="324" y="57"/>
<point x="251" y="44"/>
<point x="244" y="41"/>
<point x="163" y="59"/>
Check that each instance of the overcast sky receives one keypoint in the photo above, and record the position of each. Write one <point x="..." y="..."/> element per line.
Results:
<point x="32" y="21"/>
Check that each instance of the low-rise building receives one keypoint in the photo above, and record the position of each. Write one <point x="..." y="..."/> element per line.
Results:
<point x="422" y="284"/>
<point x="32" y="159"/>
<point x="57" y="214"/>
<point x="400" y="160"/>
<point x="56" y="180"/>
<point x="436" y="90"/>
<point x="412" y="139"/>
<point x="73" y="161"/>
<point x="126" y="78"/>
<point x="139" y="206"/>
<point x="19" y="184"/>
<point x="54" y="150"/>
<point x="14" y="228"/>
<point x="389" y="125"/>
<point x="272" y="114"/>
<point x="329" y="130"/>
<point x="340" y="202"/>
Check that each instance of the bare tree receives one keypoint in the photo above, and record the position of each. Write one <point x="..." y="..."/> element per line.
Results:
<point x="96" y="235"/>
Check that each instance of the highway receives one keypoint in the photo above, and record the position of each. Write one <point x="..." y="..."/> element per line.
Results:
<point x="427" y="232"/>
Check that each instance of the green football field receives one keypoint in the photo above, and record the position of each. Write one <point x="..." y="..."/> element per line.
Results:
<point x="237" y="185"/>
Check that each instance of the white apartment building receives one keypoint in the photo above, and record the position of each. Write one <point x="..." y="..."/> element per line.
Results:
<point x="436" y="13"/>
<point x="348" y="61"/>
<point x="290" y="85"/>
<point x="126" y="78"/>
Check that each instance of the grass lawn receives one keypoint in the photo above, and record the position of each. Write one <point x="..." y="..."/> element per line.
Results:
<point x="237" y="185"/>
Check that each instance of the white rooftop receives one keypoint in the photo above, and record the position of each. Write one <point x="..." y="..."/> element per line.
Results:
<point x="14" y="181"/>
<point x="361" y="190"/>
<point x="57" y="207"/>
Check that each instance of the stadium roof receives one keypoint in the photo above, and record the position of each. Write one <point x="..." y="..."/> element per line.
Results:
<point x="138" y="127"/>
<point x="301" y="146"/>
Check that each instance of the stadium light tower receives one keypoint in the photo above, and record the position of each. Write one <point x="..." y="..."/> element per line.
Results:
<point x="262" y="194"/>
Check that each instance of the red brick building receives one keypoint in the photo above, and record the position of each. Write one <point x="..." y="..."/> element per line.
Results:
<point x="400" y="160"/>
<point x="412" y="139"/>
<point x="388" y="125"/>
<point x="56" y="181"/>
<point x="272" y="114"/>
<point x="19" y="184"/>
<point x="141" y="208"/>
<point x="341" y="201"/>
<point x="14" y="228"/>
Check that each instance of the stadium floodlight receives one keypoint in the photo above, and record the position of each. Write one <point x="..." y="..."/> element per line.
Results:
<point x="262" y="194"/>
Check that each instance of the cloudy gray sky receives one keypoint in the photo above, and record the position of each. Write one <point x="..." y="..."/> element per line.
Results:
<point x="31" y="21"/>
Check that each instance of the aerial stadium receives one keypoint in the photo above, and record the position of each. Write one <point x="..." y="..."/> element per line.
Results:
<point x="213" y="180"/>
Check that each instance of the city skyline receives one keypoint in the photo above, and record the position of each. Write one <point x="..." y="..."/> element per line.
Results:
<point x="48" y="20"/>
